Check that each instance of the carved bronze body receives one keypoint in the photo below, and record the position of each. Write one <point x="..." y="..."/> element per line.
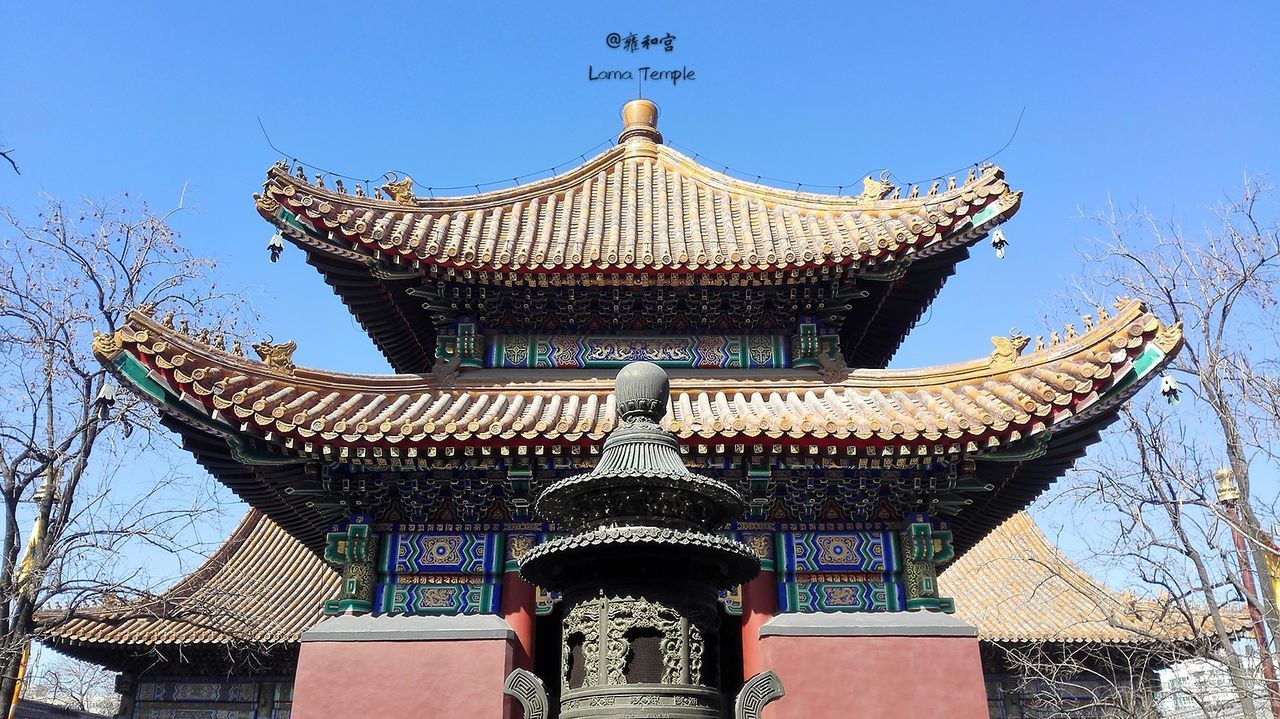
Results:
<point x="641" y="570"/>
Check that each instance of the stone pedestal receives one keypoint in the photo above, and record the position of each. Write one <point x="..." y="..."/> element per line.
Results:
<point x="874" y="665"/>
<point x="403" y="667"/>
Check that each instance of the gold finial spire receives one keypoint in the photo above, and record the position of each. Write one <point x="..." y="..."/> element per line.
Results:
<point x="1227" y="489"/>
<point x="640" y="119"/>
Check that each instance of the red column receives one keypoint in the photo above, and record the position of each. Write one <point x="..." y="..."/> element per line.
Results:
<point x="1251" y="593"/>
<point x="519" y="608"/>
<point x="759" y="604"/>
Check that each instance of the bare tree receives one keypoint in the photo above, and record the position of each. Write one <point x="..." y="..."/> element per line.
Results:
<point x="1154" y="477"/>
<point x="1086" y="679"/>
<point x="75" y="684"/>
<point x="66" y="435"/>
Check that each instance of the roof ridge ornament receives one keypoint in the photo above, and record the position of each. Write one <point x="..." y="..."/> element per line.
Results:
<point x="875" y="190"/>
<point x="277" y="357"/>
<point x="400" y="189"/>
<point x="1008" y="349"/>
<point x="640" y="120"/>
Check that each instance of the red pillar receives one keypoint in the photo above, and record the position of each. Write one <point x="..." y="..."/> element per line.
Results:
<point x="519" y="608"/>
<point x="1251" y="592"/>
<point x="759" y="604"/>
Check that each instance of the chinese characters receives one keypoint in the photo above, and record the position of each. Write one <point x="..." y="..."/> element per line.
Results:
<point x="633" y="42"/>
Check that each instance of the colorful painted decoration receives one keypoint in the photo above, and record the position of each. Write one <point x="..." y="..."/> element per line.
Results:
<point x="483" y="597"/>
<point x="838" y="572"/>
<point x="578" y="351"/>
<point x="197" y="691"/>
<point x="873" y="596"/>
<point x="441" y="552"/>
<point x="546" y="601"/>
<point x="801" y="552"/>
<point x="731" y="599"/>
<point x="925" y="545"/>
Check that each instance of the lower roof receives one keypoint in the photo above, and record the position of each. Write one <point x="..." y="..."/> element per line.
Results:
<point x="260" y="426"/>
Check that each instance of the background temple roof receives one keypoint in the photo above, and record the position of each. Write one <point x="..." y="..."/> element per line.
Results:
<point x="1015" y="586"/>
<point x="261" y="588"/>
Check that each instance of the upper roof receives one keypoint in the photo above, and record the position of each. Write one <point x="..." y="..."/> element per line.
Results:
<point x="639" y="214"/>
<point x="637" y="207"/>
<point x="1014" y="586"/>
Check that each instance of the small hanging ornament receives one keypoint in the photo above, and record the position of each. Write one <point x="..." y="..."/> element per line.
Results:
<point x="275" y="246"/>
<point x="1169" y="388"/>
<point x="106" y="399"/>
<point x="999" y="242"/>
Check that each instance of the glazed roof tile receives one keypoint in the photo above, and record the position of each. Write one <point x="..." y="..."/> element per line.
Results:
<point x="260" y="586"/>
<point x="967" y="406"/>
<point x="1015" y="586"/>
<point x="637" y="207"/>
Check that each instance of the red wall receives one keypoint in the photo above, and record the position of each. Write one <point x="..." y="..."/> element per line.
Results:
<point x="459" y="679"/>
<point x="852" y="677"/>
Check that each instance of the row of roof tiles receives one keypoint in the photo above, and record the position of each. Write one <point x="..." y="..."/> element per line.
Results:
<point x="261" y="586"/>
<point x="628" y="210"/>
<point x="1015" y="586"/>
<point x="978" y="403"/>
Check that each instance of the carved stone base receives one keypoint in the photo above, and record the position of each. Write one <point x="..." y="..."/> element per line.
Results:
<point x="641" y="700"/>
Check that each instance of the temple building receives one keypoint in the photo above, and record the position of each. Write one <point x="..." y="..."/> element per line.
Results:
<point x="223" y="643"/>
<point x="505" y="317"/>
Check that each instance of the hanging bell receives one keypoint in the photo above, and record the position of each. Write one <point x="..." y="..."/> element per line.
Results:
<point x="106" y="398"/>
<point x="275" y="246"/>
<point x="1169" y="388"/>
<point x="999" y="242"/>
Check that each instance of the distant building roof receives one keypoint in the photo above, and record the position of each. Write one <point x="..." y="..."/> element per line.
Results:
<point x="31" y="709"/>
<point x="262" y="587"/>
<point x="1015" y="586"/>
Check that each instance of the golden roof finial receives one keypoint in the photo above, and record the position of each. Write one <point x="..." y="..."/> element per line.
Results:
<point x="277" y="357"/>
<point x="1228" y="491"/>
<point x="640" y="119"/>
<point x="875" y="190"/>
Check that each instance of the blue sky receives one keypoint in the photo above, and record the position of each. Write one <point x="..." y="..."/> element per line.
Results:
<point x="1166" y="104"/>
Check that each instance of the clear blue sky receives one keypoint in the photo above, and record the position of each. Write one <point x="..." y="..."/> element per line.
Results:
<point x="1164" y="103"/>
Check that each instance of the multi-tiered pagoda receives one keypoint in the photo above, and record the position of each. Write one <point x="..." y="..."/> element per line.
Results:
<point x="505" y="317"/>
